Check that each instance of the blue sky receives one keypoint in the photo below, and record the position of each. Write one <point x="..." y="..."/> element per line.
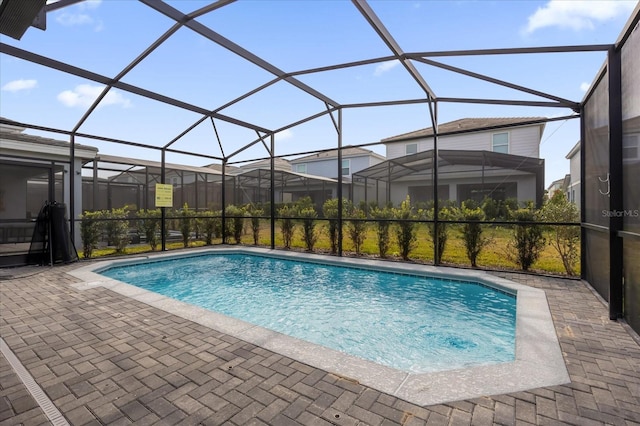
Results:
<point x="105" y="36"/>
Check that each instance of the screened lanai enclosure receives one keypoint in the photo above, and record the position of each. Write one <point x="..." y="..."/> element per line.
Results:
<point x="462" y="175"/>
<point x="114" y="182"/>
<point x="203" y="124"/>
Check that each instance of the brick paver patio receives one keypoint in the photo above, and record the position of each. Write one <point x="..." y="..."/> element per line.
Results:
<point x="105" y="359"/>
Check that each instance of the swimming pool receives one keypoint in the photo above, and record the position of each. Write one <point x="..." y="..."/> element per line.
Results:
<point x="538" y="359"/>
<point x="415" y="323"/>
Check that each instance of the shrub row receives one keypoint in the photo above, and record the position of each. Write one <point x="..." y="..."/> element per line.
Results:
<point x="400" y="222"/>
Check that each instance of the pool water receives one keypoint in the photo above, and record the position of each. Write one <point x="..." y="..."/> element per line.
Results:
<point x="408" y="322"/>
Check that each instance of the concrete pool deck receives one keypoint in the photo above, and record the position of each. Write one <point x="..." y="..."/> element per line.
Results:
<point x="107" y="358"/>
<point x="538" y="358"/>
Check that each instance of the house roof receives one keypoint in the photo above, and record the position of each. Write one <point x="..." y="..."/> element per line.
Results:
<point x="11" y="133"/>
<point x="556" y="183"/>
<point x="423" y="161"/>
<point x="562" y="183"/>
<point x="14" y="128"/>
<point x="574" y="151"/>
<point x="154" y="166"/>
<point x="232" y="170"/>
<point x="279" y="164"/>
<point x="468" y="125"/>
<point x="261" y="178"/>
<point x="333" y="153"/>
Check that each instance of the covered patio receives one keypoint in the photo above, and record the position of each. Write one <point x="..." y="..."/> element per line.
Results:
<point x="487" y="169"/>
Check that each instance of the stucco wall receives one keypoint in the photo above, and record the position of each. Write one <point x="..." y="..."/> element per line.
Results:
<point x="329" y="167"/>
<point x="13" y="190"/>
<point x="522" y="141"/>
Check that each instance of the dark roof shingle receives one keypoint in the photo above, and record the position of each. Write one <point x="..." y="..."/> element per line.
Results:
<point x="465" y="124"/>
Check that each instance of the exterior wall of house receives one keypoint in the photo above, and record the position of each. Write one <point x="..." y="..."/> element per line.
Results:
<point x="13" y="190"/>
<point x="573" y="192"/>
<point x="523" y="141"/>
<point x="522" y="187"/>
<point x="328" y="167"/>
<point x="555" y="186"/>
<point x="526" y="188"/>
<point x="325" y="167"/>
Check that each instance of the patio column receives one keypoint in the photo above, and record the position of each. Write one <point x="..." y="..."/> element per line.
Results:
<point x="72" y="188"/>
<point x="365" y="191"/>
<point x="388" y="182"/>
<point x="96" y="188"/>
<point x="224" y="200"/>
<point x="146" y="188"/>
<point x="273" y="193"/>
<point x="163" y="210"/>
<point x="340" y="182"/>
<point x="196" y="175"/>
<point x="583" y="215"/>
<point x="616" y="289"/>
<point x="436" y="204"/>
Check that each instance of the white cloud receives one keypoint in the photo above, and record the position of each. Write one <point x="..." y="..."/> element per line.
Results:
<point x="85" y="94"/>
<point x="80" y="16"/>
<point x="285" y="134"/>
<point x="72" y="19"/>
<point x="577" y="14"/>
<point x="585" y="86"/>
<point x="18" y="85"/>
<point x="90" y="4"/>
<point x="385" y="66"/>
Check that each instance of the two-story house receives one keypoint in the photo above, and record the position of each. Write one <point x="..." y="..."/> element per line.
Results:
<point x="252" y="184"/>
<point x="477" y="158"/>
<point x="561" y="185"/>
<point x="573" y="187"/>
<point x="630" y="164"/>
<point x="325" y="163"/>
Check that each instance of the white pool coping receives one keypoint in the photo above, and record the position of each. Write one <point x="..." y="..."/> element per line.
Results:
<point x="539" y="361"/>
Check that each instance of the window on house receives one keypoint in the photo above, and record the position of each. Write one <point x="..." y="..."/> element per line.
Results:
<point x="630" y="146"/>
<point x="410" y="148"/>
<point x="300" y="168"/>
<point x="500" y="143"/>
<point x="346" y="167"/>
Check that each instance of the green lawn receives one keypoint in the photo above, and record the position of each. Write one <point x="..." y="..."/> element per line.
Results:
<point x="494" y="256"/>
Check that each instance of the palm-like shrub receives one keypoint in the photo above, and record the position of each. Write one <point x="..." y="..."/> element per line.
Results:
<point x="474" y="242"/>
<point x="330" y="212"/>
<point x="405" y="228"/>
<point x="286" y="214"/>
<point x="528" y="239"/>
<point x="383" y="224"/>
<point x="446" y="213"/>
<point x="116" y="226"/>
<point x="149" y="222"/>
<point x="235" y="222"/>
<point x="357" y="228"/>
<point x="208" y="225"/>
<point x="90" y="232"/>
<point x="564" y="239"/>
<point x="254" y="221"/>
<point x="186" y="224"/>
<point x="308" y="215"/>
